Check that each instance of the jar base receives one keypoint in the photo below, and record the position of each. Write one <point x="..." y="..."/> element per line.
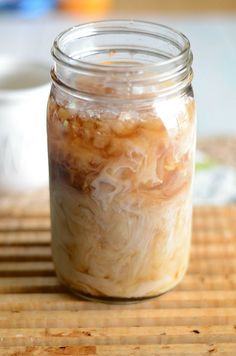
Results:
<point x="111" y="300"/>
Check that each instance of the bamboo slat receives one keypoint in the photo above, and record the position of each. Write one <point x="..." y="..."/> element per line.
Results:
<point x="39" y="317"/>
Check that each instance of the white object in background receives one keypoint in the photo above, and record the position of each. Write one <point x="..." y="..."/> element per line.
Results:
<point x="24" y="89"/>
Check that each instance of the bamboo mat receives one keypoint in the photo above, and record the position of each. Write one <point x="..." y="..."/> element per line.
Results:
<point x="221" y="148"/>
<point x="38" y="317"/>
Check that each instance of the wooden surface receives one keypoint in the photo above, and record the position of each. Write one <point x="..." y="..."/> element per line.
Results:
<point x="38" y="317"/>
<point x="174" y="5"/>
<point x="220" y="148"/>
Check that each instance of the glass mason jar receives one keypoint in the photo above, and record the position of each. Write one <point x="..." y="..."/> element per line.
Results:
<point x="121" y="142"/>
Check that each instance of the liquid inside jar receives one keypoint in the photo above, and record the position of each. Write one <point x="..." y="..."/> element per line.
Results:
<point x="120" y="182"/>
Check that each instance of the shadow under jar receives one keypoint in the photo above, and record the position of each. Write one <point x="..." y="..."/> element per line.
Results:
<point x="121" y="142"/>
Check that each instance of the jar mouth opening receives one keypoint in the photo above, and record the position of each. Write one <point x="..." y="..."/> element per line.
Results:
<point x="70" y="48"/>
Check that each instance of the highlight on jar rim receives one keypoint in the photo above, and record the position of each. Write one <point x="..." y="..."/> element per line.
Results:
<point x="121" y="142"/>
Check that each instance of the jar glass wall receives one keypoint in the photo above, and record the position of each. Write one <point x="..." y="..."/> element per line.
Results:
<point x="121" y="141"/>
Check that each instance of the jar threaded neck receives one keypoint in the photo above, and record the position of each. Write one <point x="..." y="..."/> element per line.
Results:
<point x="142" y="58"/>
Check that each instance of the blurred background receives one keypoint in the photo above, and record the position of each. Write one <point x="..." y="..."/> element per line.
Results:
<point x="28" y="28"/>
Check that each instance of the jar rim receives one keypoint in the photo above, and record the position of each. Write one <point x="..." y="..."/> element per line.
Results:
<point x="136" y="26"/>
